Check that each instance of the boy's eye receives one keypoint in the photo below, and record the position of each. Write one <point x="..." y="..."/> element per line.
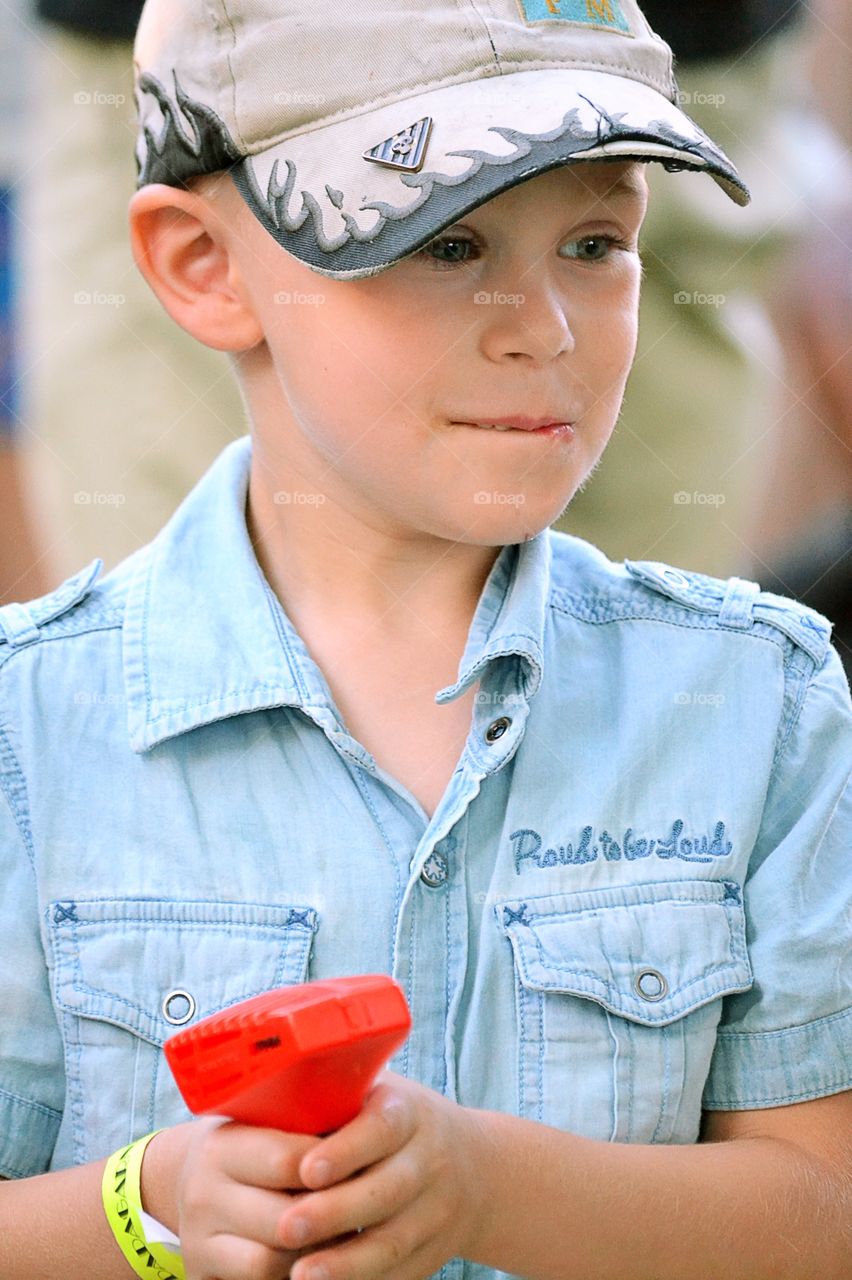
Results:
<point x="596" y="248"/>
<point x="591" y="248"/>
<point x="453" y="244"/>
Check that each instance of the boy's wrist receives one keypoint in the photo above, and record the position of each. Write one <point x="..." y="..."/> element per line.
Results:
<point x="162" y="1165"/>
<point x="484" y="1149"/>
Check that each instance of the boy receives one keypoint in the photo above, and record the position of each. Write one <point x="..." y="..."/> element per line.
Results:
<point x="357" y="710"/>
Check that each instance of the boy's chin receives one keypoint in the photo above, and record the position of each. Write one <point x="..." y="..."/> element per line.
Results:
<point x="498" y="520"/>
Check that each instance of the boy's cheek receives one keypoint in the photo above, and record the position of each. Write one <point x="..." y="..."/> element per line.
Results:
<point x="614" y="361"/>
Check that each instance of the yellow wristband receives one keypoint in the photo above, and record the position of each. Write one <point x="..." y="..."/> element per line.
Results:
<point x="123" y="1206"/>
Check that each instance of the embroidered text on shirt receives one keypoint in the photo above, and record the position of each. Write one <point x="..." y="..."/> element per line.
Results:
<point x="527" y="847"/>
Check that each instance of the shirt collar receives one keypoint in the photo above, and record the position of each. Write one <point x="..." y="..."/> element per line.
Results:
<point x="510" y="616"/>
<point x="205" y="637"/>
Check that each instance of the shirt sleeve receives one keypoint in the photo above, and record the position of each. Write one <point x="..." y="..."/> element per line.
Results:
<point x="32" y="1077"/>
<point x="789" y="1038"/>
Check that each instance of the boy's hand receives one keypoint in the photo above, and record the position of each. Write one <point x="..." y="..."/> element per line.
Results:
<point x="235" y="1184"/>
<point x="415" y="1202"/>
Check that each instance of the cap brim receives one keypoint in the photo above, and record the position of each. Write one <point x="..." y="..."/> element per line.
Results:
<point x="347" y="217"/>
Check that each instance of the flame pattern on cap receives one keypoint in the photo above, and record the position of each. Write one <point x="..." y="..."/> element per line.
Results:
<point x="356" y="246"/>
<point x="174" y="157"/>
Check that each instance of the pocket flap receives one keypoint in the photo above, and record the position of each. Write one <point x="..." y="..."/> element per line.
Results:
<point x="152" y="966"/>
<point x="648" y="952"/>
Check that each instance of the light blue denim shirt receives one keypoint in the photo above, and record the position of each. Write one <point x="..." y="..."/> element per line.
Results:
<point x="632" y="902"/>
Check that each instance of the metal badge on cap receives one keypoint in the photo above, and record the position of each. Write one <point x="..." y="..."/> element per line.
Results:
<point x="405" y="150"/>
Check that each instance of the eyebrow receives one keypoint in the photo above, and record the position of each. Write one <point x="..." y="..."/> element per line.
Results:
<point x="628" y="186"/>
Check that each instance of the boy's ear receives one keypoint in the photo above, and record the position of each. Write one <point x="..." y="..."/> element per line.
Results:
<point x="180" y="247"/>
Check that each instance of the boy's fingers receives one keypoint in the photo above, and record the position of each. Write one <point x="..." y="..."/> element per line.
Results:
<point x="252" y="1213"/>
<point x="234" y="1258"/>
<point x="393" y="1248"/>
<point x="387" y="1190"/>
<point x="261" y="1157"/>
<point x="384" y="1124"/>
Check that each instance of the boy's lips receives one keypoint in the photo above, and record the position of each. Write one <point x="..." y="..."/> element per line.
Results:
<point x="548" y="428"/>
<point x="518" y="423"/>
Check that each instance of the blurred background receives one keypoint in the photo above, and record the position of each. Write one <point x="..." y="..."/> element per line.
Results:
<point x="733" y="452"/>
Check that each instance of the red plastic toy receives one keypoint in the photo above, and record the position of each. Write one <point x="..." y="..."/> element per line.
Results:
<point x="301" y="1058"/>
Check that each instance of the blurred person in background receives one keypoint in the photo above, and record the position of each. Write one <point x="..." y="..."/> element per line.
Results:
<point x="126" y="411"/>
<point x="695" y="449"/>
<point x="20" y="570"/>
<point x="802" y="531"/>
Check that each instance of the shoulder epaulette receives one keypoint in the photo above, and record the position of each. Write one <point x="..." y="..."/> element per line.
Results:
<point x="737" y="603"/>
<point x="20" y="623"/>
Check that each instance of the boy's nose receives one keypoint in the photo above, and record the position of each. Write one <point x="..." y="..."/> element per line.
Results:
<point x="533" y="321"/>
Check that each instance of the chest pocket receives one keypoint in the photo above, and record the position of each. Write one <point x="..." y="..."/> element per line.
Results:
<point x="129" y="973"/>
<point x="618" y="996"/>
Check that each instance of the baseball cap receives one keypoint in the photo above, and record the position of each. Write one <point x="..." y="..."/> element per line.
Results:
<point x="356" y="132"/>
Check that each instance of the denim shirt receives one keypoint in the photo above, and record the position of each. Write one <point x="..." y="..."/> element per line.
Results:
<point x="632" y="902"/>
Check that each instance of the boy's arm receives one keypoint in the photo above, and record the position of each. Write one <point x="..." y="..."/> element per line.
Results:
<point x="225" y="1196"/>
<point x="765" y="1195"/>
<point x="770" y="1200"/>
<point x="54" y="1225"/>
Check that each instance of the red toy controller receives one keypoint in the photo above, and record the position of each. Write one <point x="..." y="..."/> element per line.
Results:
<point x="300" y="1059"/>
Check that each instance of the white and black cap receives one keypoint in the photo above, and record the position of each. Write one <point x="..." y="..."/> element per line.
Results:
<point x="356" y="132"/>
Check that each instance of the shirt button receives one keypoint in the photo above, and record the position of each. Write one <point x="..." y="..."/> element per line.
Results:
<point x="435" y="870"/>
<point x="178" y="1007"/>
<point x="651" y="984"/>
<point x="497" y="729"/>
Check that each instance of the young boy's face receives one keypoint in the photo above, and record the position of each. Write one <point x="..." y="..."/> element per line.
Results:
<point x="370" y="392"/>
